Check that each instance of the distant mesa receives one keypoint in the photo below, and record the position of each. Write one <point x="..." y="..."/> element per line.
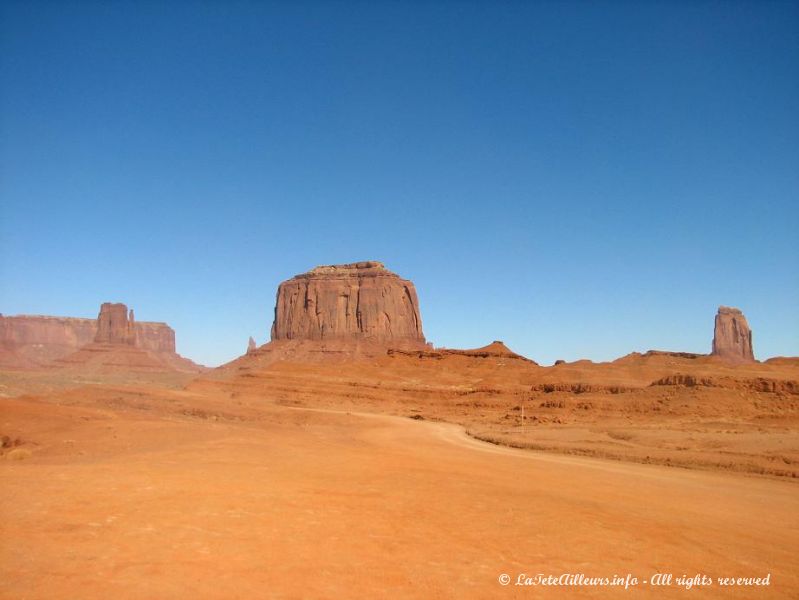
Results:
<point x="785" y="361"/>
<point x="732" y="342"/>
<point x="662" y="354"/>
<point x="496" y="349"/>
<point x="358" y="301"/>
<point x="732" y="338"/>
<point x="331" y="312"/>
<point x="29" y="341"/>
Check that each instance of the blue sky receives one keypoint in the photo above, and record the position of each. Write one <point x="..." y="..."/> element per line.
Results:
<point x="581" y="180"/>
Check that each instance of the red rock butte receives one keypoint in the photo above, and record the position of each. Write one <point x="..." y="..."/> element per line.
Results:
<point x="732" y="338"/>
<point x="35" y="341"/>
<point x="114" y="326"/>
<point x="358" y="301"/>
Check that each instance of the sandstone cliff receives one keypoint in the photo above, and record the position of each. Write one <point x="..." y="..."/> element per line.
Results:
<point x="114" y="326"/>
<point x="156" y="337"/>
<point x="121" y="344"/>
<point x="31" y="341"/>
<point x="732" y="338"/>
<point x="359" y="301"/>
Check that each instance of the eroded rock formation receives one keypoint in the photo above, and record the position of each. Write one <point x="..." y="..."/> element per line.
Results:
<point x="114" y="326"/>
<point x="32" y="340"/>
<point x="355" y="301"/>
<point x="28" y="340"/>
<point x="732" y="338"/>
<point x="495" y="350"/>
<point x="156" y="337"/>
<point x="251" y="345"/>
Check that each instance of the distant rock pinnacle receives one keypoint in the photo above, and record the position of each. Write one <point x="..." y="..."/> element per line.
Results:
<point x="732" y="338"/>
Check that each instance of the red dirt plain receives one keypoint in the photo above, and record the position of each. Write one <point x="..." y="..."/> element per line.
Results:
<point x="293" y="474"/>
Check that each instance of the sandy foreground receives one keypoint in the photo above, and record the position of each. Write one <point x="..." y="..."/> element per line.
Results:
<point x="143" y="498"/>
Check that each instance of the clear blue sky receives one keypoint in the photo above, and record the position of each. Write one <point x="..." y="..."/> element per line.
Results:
<point x="578" y="179"/>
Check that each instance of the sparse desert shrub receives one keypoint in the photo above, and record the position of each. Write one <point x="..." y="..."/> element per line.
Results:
<point x="552" y="404"/>
<point x="581" y="388"/>
<point x="19" y="454"/>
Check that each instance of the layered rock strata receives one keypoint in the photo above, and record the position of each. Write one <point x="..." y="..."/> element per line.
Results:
<point x="114" y="325"/>
<point x="732" y="338"/>
<point x="32" y="340"/>
<point x="358" y="301"/>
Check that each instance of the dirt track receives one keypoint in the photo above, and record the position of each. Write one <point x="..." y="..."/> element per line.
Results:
<point x="136" y="502"/>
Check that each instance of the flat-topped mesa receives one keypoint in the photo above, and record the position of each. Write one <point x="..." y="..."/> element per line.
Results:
<point x="358" y="301"/>
<point x="732" y="338"/>
<point x="155" y="337"/>
<point x="117" y="325"/>
<point x="32" y="341"/>
<point x="114" y="326"/>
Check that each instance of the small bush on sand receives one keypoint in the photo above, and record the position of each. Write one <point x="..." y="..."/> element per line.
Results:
<point x="19" y="454"/>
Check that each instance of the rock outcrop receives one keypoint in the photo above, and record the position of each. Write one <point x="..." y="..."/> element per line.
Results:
<point x="121" y="344"/>
<point x="154" y="336"/>
<point x="495" y="350"/>
<point x="114" y="326"/>
<point x="732" y="338"/>
<point x="33" y="341"/>
<point x="251" y="345"/>
<point x="359" y="301"/>
<point x="30" y="340"/>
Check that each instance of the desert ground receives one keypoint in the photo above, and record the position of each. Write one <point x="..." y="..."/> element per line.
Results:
<point x="286" y="476"/>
